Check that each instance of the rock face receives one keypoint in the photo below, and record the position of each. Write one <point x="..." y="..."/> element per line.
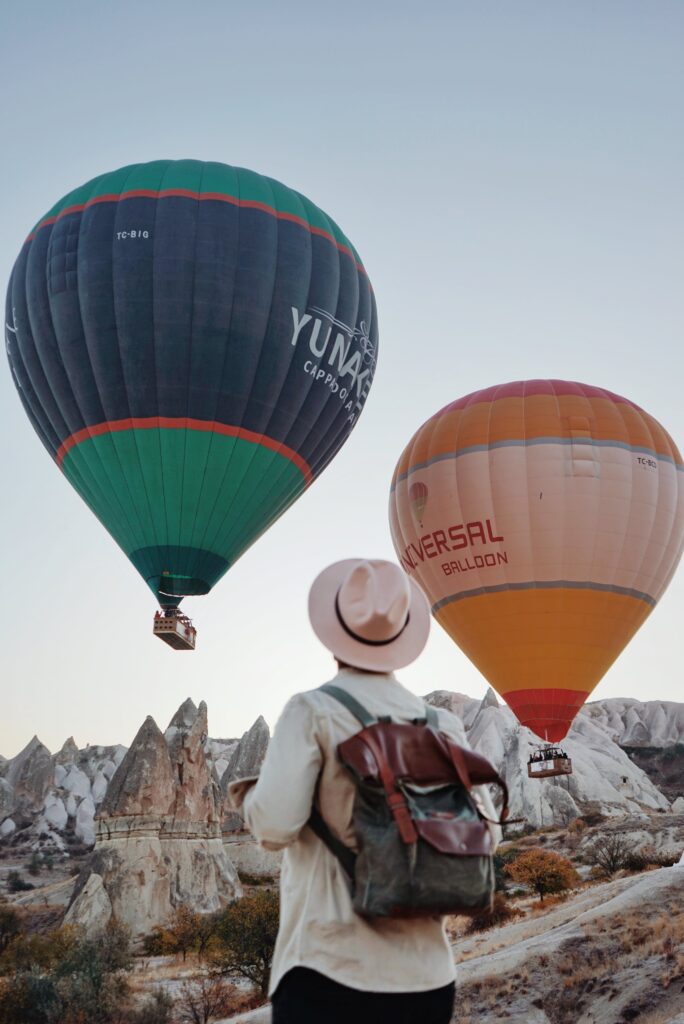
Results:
<point x="27" y="777"/>
<point x="249" y="753"/>
<point x="246" y="760"/>
<point x="158" y="840"/>
<point x="69" y="752"/>
<point x="604" y="778"/>
<point x="144" y="783"/>
<point x="48" y="797"/>
<point x="635" y="723"/>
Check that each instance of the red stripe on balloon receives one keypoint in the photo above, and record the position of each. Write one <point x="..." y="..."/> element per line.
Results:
<point x="184" y="423"/>
<point x="186" y="193"/>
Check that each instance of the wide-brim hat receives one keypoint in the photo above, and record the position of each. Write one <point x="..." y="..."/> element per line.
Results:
<point x="369" y="614"/>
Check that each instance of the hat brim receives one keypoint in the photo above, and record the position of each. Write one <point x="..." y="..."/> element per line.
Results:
<point x="375" y="658"/>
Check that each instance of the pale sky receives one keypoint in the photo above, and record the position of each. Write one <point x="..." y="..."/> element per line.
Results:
<point x="511" y="174"/>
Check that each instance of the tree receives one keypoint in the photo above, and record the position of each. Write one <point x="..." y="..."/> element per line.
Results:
<point x="38" y="951"/>
<point x="158" y="942"/>
<point x="246" y="936"/>
<point x="207" y="926"/>
<point x="183" y="930"/>
<point x="543" y="871"/>
<point x="35" y="864"/>
<point x="10" y="926"/>
<point x="204" y="999"/>
<point x="610" y="852"/>
<point x="91" y="978"/>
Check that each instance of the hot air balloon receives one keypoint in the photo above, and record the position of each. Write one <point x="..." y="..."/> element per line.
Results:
<point x="418" y="495"/>
<point x="192" y="343"/>
<point x="555" y="523"/>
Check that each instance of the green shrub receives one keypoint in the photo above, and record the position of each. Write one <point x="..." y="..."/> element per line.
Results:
<point x="29" y="997"/>
<point x="15" y="883"/>
<point x="245" y="938"/>
<point x="157" y="943"/>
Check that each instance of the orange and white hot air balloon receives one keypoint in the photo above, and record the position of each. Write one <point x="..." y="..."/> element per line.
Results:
<point x="554" y="525"/>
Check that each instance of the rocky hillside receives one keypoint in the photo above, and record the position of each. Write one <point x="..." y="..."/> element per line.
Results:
<point x="52" y="800"/>
<point x="664" y="767"/>
<point x="624" y="752"/>
<point x="605" y="778"/>
<point x="610" y="954"/>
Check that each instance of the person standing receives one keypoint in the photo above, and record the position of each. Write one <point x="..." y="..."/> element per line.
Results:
<point x="331" y="965"/>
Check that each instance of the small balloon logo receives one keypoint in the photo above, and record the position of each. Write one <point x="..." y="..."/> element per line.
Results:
<point x="418" y="496"/>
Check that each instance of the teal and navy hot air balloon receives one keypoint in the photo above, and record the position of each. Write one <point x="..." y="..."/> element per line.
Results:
<point x="192" y="343"/>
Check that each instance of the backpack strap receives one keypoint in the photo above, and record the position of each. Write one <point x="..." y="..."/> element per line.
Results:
<point x="344" y="854"/>
<point x="431" y="716"/>
<point x="316" y="822"/>
<point x="350" y="703"/>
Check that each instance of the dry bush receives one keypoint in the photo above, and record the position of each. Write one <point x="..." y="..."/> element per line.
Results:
<point x="578" y="826"/>
<point x="656" y="1017"/>
<point x="549" y="903"/>
<point x="648" y="859"/>
<point x="206" y="998"/>
<point x="501" y="913"/>
<point x="608" y="853"/>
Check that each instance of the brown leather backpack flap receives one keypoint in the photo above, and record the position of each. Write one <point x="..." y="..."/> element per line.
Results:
<point x="479" y="768"/>
<point x="465" y="838"/>
<point x="409" y="752"/>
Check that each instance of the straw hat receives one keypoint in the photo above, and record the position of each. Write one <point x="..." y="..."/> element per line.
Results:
<point x="369" y="614"/>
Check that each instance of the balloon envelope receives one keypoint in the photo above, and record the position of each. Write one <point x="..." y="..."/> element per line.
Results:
<point x="554" y="523"/>
<point x="193" y="343"/>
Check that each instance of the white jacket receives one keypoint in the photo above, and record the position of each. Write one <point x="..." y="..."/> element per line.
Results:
<point x="318" y="928"/>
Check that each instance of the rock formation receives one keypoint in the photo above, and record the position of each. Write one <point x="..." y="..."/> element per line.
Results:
<point x="635" y="723"/>
<point x="69" y="752"/>
<point x="249" y="753"/>
<point x="246" y="760"/>
<point x="50" y="801"/>
<point x="158" y="833"/>
<point x="27" y="777"/>
<point x="604" y="778"/>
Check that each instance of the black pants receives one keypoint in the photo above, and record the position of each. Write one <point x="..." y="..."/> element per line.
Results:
<point x="307" y="997"/>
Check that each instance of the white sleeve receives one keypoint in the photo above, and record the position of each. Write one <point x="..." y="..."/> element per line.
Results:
<point x="278" y="806"/>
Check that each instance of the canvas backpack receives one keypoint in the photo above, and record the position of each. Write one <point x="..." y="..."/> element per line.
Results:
<point x="424" y="847"/>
